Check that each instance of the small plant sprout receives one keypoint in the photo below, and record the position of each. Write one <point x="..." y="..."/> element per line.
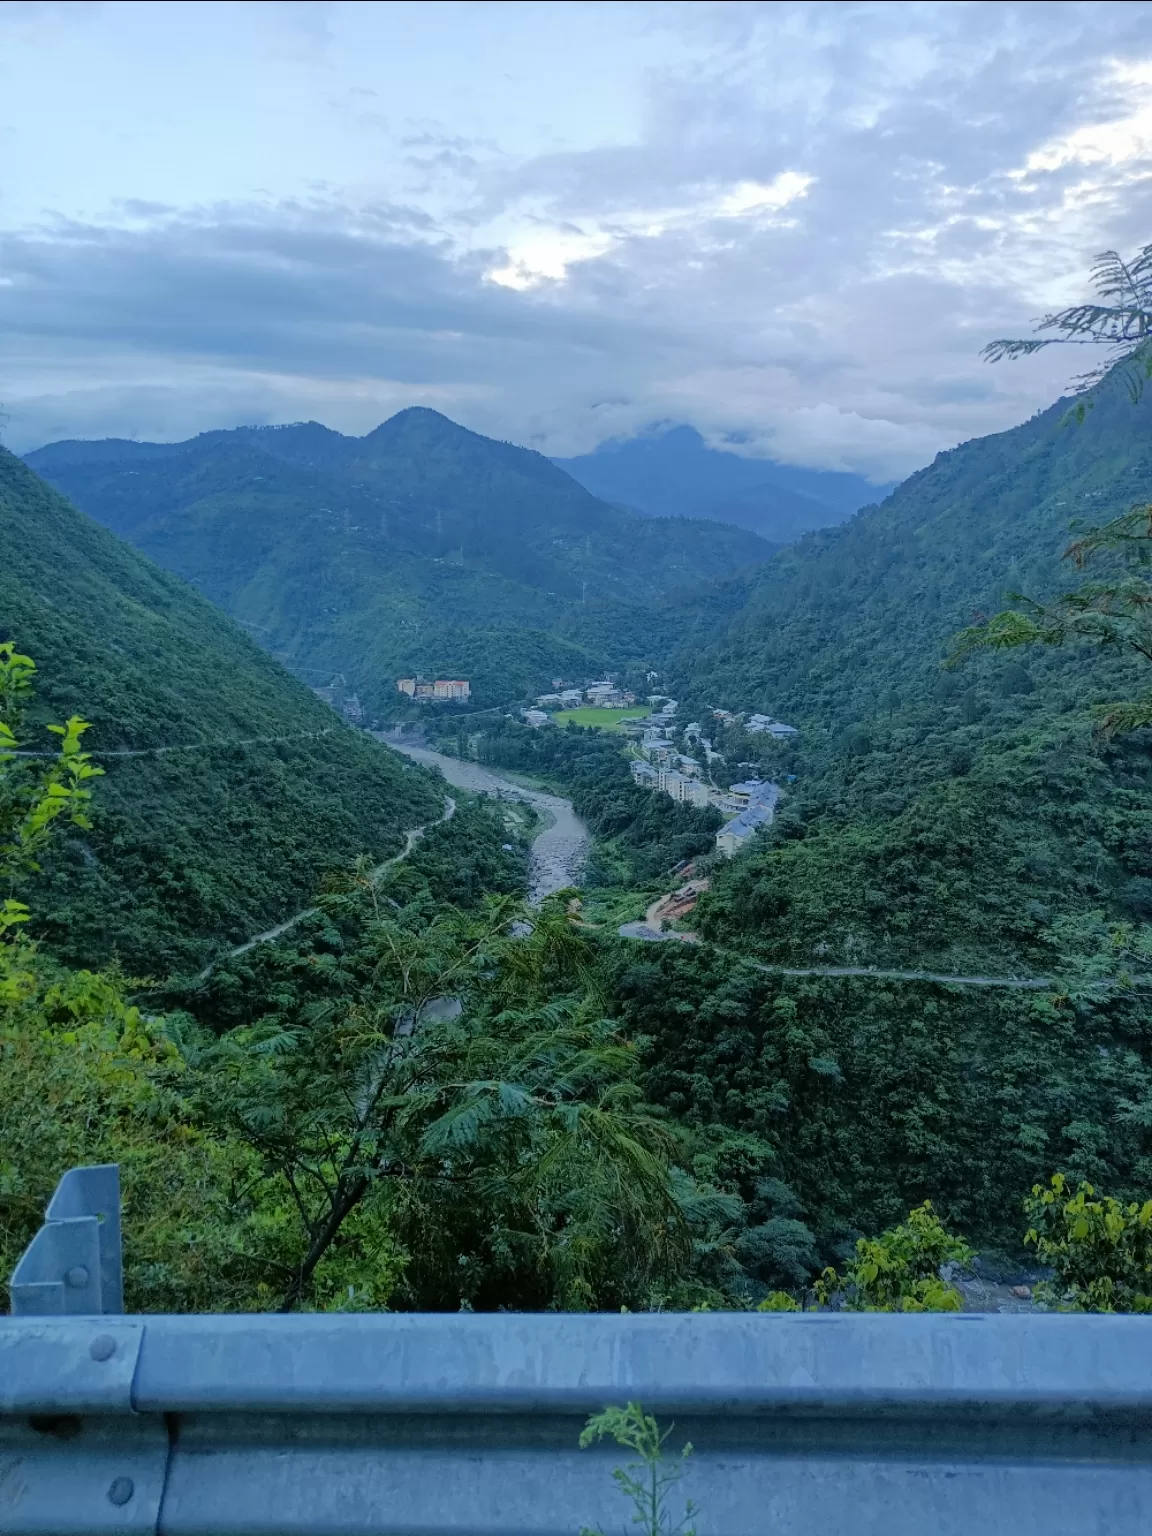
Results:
<point x="649" y="1480"/>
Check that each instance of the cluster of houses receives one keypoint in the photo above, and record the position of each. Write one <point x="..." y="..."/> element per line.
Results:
<point x="603" y="695"/>
<point x="444" y="688"/>
<point x="750" y="805"/>
<point x="756" y="725"/>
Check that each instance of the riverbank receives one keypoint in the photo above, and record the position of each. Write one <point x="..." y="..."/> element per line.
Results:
<point x="559" y="849"/>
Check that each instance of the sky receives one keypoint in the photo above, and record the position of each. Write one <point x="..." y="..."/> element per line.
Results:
<point x="792" y="226"/>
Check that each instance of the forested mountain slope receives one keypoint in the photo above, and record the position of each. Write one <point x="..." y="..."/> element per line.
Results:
<point x="420" y="547"/>
<point x="973" y="822"/>
<point x="955" y="819"/>
<point x="836" y="625"/>
<point x="189" y="848"/>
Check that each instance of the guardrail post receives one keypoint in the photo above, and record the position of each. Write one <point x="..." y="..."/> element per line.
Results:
<point x="73" y="1265"/>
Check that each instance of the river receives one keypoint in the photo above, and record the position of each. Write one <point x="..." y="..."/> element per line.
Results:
<point x="558" y="850"/>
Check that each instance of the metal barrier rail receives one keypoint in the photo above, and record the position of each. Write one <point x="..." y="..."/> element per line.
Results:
<point x="326" y="1425"/>
<point x="816" y="1425"/>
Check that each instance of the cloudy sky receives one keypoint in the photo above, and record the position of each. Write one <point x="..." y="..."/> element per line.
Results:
<point x="791" y="225"/>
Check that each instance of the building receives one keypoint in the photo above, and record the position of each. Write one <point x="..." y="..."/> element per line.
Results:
<point x="643" y="773"/>
<point x="750" y="791"/>
<point x="681" y="788"/>
<point x="451" y="688"/>
<point x="443" y="689"/>
<point x="535" y="717"/>
<point x="757" y="725"/>
<point x="697" y="793"/>
<point x="735" y="835"/>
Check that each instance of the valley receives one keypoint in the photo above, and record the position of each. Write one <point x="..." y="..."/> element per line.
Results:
<point x="918" y="946"/>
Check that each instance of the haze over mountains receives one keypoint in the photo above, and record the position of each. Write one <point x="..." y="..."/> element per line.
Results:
<point x="420" y="547"/>
<point x="674" y="473"/>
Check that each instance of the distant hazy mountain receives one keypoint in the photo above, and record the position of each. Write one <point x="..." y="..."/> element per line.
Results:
<point x="676" y="474"/>
<point x="420" y="547"/>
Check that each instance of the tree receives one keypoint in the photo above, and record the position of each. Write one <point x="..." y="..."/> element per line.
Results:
<point x="899" y="1271"/>
<point x="465" y="1097"/>
<point x="1120" y="319"/>
<point x="1114" y="612"/>
<point x="1100" y="1250"/>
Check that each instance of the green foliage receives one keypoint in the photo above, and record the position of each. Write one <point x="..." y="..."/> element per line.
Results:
<point x="420" y="548"/>
<point x="648" y="1481"/>
<point x="899" y="1271"/>
<point x="778" y="1301"/>
<point x="1115" y="613"/>
<point x="33" y="797"/>
<point x="457" y="1088"/>
<point x="864" y="1097"/>
<point x="84" y="1077"/>
<point x="1100" y="1248"/>
<point x="189" y="850"/>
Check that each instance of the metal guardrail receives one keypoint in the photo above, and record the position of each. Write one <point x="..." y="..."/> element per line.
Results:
<point x="423" y="1425"/>
<point x="73" y="1263"/>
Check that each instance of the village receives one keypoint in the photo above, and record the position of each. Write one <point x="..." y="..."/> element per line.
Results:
<point x="658" y="764"/>
<point x="657" y="761"/>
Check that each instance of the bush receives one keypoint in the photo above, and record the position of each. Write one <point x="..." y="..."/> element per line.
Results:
<point x="1101" y="1250"/>
<point x="899" y="1271"/>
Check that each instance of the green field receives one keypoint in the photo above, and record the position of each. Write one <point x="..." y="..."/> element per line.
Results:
<point x="604" y="719"/>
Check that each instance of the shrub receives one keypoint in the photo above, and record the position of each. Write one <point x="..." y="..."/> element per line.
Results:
<point x="1100" y="1249"/>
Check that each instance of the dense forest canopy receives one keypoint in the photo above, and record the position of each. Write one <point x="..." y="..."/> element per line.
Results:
<point x="268" y="789"/>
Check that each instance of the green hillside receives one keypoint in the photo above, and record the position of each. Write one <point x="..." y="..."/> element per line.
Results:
<point x="941" y="817"/>
<point x="190" y="848"/>
<point x="421" y="547"/>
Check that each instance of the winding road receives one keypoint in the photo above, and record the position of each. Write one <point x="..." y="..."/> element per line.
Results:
<point x="559" y="852"/>
<point x="193" y="746"/>
<point x="411" y="838"/>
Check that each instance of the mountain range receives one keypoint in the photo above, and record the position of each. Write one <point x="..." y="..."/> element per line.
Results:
<point x="421" y="547"/>
<point x="674" y="473"/>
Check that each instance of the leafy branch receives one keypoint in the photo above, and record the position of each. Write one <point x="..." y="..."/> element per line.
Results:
<point x="1120" y="319"/>
<point x="34" y="798"/>
<point x="1115" y="613"/>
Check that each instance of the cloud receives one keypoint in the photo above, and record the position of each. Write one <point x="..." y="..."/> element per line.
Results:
<point x="820" y="217"/>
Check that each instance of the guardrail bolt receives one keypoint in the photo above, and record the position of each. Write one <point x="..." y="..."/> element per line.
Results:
<point x="102" y="1348"/>
<point x="76" y="1277"/>
<point x="121" y="1490"/>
